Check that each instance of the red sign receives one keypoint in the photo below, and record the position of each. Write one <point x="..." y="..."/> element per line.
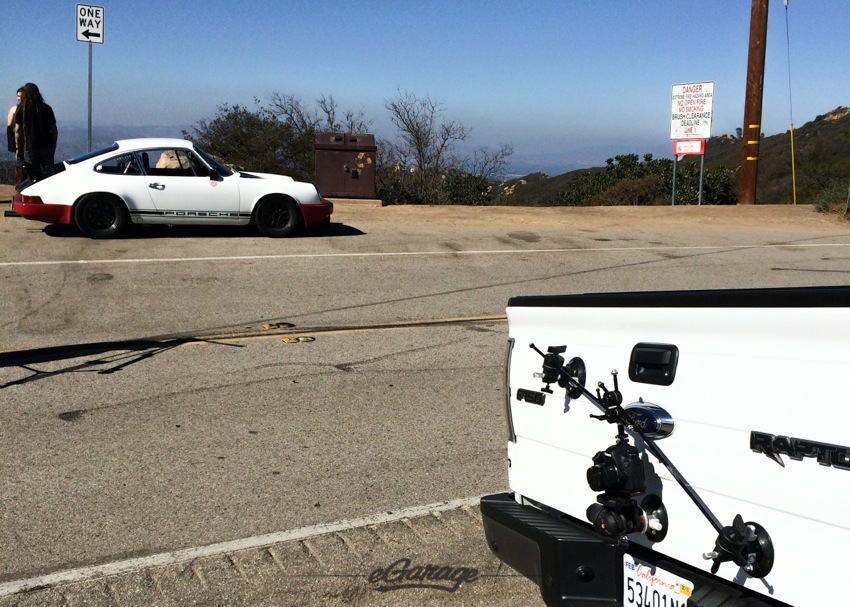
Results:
<point x="689" y="147"/>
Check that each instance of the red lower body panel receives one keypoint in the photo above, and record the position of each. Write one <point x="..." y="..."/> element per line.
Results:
<point x="317" y="215"/>
<point x="31" y="207"/>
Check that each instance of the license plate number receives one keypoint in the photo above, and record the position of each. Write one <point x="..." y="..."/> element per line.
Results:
<point x="645" y="585"/>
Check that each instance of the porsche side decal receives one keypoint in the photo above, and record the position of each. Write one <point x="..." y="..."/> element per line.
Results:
<point x="224" y="214"/>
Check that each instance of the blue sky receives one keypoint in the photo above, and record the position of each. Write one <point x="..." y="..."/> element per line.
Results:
<point x="565" y="82"/>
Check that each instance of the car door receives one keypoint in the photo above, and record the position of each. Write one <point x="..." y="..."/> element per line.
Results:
<point x="121" y="175"/>
<point x="182" y="190"/>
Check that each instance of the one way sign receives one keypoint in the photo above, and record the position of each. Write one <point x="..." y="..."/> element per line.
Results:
<point x="89" y="23"/>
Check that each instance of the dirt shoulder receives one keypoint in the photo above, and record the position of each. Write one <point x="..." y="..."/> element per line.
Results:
<point x="749" y="217"/>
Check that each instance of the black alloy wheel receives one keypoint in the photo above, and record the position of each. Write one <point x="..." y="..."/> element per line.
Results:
<point x="100" y="216"/>
<point x="277" y="217"/>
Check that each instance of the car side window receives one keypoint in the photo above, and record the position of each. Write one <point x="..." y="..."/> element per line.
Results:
<point x="124" y="164"/>
<point x="201" y="170"/>
<point x="170" y="163"/>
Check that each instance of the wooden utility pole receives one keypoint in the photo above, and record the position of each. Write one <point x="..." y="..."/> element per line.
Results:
<point x="752" y="104"/>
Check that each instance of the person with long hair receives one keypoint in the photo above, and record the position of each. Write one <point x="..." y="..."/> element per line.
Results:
<point x="10" y="138"/>
<point x="35" y="132"/>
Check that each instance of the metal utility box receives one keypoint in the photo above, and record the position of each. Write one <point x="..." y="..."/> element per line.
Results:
<point x="345" y="165"/>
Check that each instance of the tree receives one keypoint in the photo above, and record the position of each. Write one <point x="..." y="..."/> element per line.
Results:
<point x="472" y="184"/>
<point x="254" y="140"/>
<point x="489" y="165"/>
<point x="306" y="122"/>
<point x="278" y="138"/>
<point x="424" y="144"/>
<point x="291" y="110"/>
<point x="422" y="166"/>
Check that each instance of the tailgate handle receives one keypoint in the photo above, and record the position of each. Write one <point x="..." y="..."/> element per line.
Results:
<point x="653" y="363"/>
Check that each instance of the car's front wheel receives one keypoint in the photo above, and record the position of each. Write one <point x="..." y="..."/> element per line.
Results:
<point x="101" y="216"/>
<point x="277" y="216"/>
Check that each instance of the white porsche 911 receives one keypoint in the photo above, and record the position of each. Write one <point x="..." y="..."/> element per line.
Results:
<point x="167" y="181"/>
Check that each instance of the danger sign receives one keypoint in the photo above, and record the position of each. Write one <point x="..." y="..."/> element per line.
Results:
<point x="690" y="115"/>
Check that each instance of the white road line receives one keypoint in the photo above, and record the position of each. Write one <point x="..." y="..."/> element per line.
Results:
<point x="8" y="264"/>
<point x="186" y="555"/>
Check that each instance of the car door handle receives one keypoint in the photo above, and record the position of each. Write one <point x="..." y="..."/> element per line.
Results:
<point x="156" y="186"/>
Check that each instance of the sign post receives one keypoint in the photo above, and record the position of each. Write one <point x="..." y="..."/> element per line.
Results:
<point x="89" y="20"/>
<point x="688" y="147"/>
<point x="690" y="120"/>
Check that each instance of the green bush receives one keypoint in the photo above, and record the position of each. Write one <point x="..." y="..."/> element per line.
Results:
<point x="645" y="190"/>
<point x="463" y="188"/>
<point x="628" y="180"/>
<point x="832" y="198"/>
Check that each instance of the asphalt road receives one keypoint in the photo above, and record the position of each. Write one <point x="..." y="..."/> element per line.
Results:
<point x="184" y="412"/>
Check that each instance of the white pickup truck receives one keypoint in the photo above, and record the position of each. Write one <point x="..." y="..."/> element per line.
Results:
<point x="672" y="449"/>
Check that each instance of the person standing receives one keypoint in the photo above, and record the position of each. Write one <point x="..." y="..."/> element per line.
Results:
<point x="10" y="139"/>
<point x="35" y="132"/>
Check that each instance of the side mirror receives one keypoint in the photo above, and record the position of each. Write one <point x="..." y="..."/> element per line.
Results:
<point x="214" y="176"/>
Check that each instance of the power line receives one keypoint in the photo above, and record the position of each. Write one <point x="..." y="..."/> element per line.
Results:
<point x="790" y="106"/>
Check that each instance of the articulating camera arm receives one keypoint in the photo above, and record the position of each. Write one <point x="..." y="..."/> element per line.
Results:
<point x="747" y="545"/>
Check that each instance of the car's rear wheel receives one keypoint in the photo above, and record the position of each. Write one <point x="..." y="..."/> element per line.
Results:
<point x="277" y="216"/>
<point x="101" y="216"/>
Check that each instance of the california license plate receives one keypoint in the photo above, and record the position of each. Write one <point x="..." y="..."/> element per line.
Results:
<point x="645" y="585"/>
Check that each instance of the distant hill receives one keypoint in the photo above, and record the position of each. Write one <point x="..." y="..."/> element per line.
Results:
<point x="822" y="159"/>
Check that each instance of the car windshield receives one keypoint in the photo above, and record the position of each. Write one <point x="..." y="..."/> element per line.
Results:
<point x="219" y="168"/>
<point x="88" y="155"/>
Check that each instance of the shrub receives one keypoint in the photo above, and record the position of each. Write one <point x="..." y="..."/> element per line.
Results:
<point x="832" y="198"/>
<point x="463" y="188"/>
<point x="627" y="180"/>
<point x="645" y="190"/>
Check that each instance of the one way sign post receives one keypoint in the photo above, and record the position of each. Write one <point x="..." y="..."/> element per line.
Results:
<point x="89" y="23"/>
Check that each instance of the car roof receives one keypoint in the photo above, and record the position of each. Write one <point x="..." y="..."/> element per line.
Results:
<point x="153" y="142"/>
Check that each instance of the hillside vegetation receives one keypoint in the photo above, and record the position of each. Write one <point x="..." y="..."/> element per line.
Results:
<point x="822" y="159"/>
